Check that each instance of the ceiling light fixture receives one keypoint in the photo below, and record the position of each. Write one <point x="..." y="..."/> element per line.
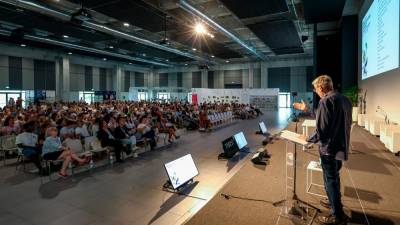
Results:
<point x="69" y="53"/>
<point x="105" y="59"/>
<point x="126" y="24"/>
<point x="194" y="49"/>
<point x="186" y="64"/>
<point x="130" y="63"/>
<point x="111" y="46"/>
<point x="200" y="29"/>
<point x="65" y="36"/>
<point x="227" y="61"/>
<point x="167" y="60"/>
<point x="212" y="56"/>
<point x="23" y="45"/>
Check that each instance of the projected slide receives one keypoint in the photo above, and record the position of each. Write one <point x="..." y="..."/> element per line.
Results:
<point x="181" y="170"/>
<point x="380" y="38"/>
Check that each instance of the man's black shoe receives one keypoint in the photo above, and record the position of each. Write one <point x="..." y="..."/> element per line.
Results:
<point x="325" y="203"/>
<point x="332" y="220"/>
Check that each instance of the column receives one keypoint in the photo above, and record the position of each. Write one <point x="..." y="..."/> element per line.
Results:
<point x="117" y="81"/>
<point x="264" y="75"/>
<point x="204" y="78"/>
<point x="63" y="79"/>
<point x="251" y="75"/>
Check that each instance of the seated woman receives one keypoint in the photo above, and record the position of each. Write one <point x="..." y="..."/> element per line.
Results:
<point x="107" y="139"/>
<point x="204" y="122"/>
<point x="53" y="150"/>
<point x="165" y="126"/>
<point x="145" y="129"/>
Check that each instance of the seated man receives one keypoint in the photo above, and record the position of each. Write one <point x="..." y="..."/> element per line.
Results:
<point x="107" y="139"/>
<point x="28" y="142"/>
<point x="121" y="133"/>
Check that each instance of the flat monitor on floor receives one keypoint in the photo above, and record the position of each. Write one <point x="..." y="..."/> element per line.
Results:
<point x="181" y="170"/>
<point x="263" y="127"/>
<point x="240" y="140"/>
<point x="230" y="147"/>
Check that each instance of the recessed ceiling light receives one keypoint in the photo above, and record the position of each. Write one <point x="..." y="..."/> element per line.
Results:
<point x="227" y="61"/>
<point x="194" y="49"/>
<point x="69" y="53"/>
<point x="7" y="87"/>
<point x="65" y="36"/>
<point x="186" y="64"/>
<point x="23" y="45"/>
<point x="126" y="24"/>
<point x="111" y="46"/>
<point x="144" y="54"/>
<point x="212" y="56"/>
<point x="104" y="59"/>
<point x="212" y="36"/>
<point x="167" y="60"/>
<point x="130" y="63"/>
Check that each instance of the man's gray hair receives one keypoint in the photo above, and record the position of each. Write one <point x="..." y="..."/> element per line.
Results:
<point x="325" y="82"/>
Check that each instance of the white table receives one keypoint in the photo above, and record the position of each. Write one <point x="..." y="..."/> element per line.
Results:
<point x="308" y="125"/>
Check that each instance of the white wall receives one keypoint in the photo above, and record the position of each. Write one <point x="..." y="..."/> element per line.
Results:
<point x="382" y="90"/>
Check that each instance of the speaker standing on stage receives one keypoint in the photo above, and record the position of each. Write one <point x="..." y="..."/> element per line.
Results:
<point x="334" y="118"/>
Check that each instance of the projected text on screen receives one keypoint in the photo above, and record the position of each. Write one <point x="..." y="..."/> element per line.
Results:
<point x="380" y="38"/>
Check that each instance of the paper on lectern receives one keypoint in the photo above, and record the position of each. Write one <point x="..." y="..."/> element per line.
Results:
<point x="294" y="137"/>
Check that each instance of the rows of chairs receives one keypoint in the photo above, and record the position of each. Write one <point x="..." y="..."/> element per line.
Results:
<point x="217" y="119"/>
<point x="389" y="133"/>
<point x="91" y="147"/>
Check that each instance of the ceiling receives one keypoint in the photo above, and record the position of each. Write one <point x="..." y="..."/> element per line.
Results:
<point x="270" y="27"/>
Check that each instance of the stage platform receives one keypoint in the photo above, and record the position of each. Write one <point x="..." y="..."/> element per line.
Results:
<point x="370" y="187"/>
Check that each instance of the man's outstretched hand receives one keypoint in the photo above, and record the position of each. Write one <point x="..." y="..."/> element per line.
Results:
<point x="300" y="105"/>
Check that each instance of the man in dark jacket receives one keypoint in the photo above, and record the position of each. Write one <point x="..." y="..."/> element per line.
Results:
<point x="334" y="119"/>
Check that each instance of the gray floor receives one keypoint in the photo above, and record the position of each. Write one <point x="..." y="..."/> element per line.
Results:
<point x="369" y="184"/>
<point x="129" y="193"/>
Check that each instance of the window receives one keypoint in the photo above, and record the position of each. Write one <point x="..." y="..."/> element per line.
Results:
<point x="163" y="95"/>
<point x="142" y="96"/>
<point x="5" y="96"/>
<point x="284" y="100"/>
<point x="87" y="96"/>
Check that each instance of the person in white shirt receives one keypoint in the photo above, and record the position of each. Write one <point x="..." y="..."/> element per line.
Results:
<point x="28" y="142"/>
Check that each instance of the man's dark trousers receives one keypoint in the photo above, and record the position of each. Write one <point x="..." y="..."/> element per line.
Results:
<point x="331" y="172"/>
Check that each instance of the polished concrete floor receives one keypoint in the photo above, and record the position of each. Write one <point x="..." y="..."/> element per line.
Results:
<point x="129" y="193"/>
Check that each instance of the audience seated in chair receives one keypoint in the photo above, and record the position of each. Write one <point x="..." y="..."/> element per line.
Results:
<point x="53" y="150"/>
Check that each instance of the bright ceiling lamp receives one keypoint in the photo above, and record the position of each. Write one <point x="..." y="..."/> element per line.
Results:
<point x="199" y="28"/>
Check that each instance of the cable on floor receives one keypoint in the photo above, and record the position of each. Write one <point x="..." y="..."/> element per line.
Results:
<point x="229" y="196"/>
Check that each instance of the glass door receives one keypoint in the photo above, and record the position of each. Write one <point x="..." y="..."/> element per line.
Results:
<point x="15" y="96"/>
<point x="88" y="97"/>
<point x="284" y="100"/>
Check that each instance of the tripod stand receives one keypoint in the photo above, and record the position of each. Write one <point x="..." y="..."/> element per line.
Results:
<point x="296" y="209"/>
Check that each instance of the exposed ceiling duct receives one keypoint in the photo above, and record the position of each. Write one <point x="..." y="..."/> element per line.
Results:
<point x="84" y="48"/>
<point x="32" y="6"/>
<point x="194" y="11"/>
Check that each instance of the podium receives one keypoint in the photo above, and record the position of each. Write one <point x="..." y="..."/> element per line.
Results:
<point x="300" y="212"/>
